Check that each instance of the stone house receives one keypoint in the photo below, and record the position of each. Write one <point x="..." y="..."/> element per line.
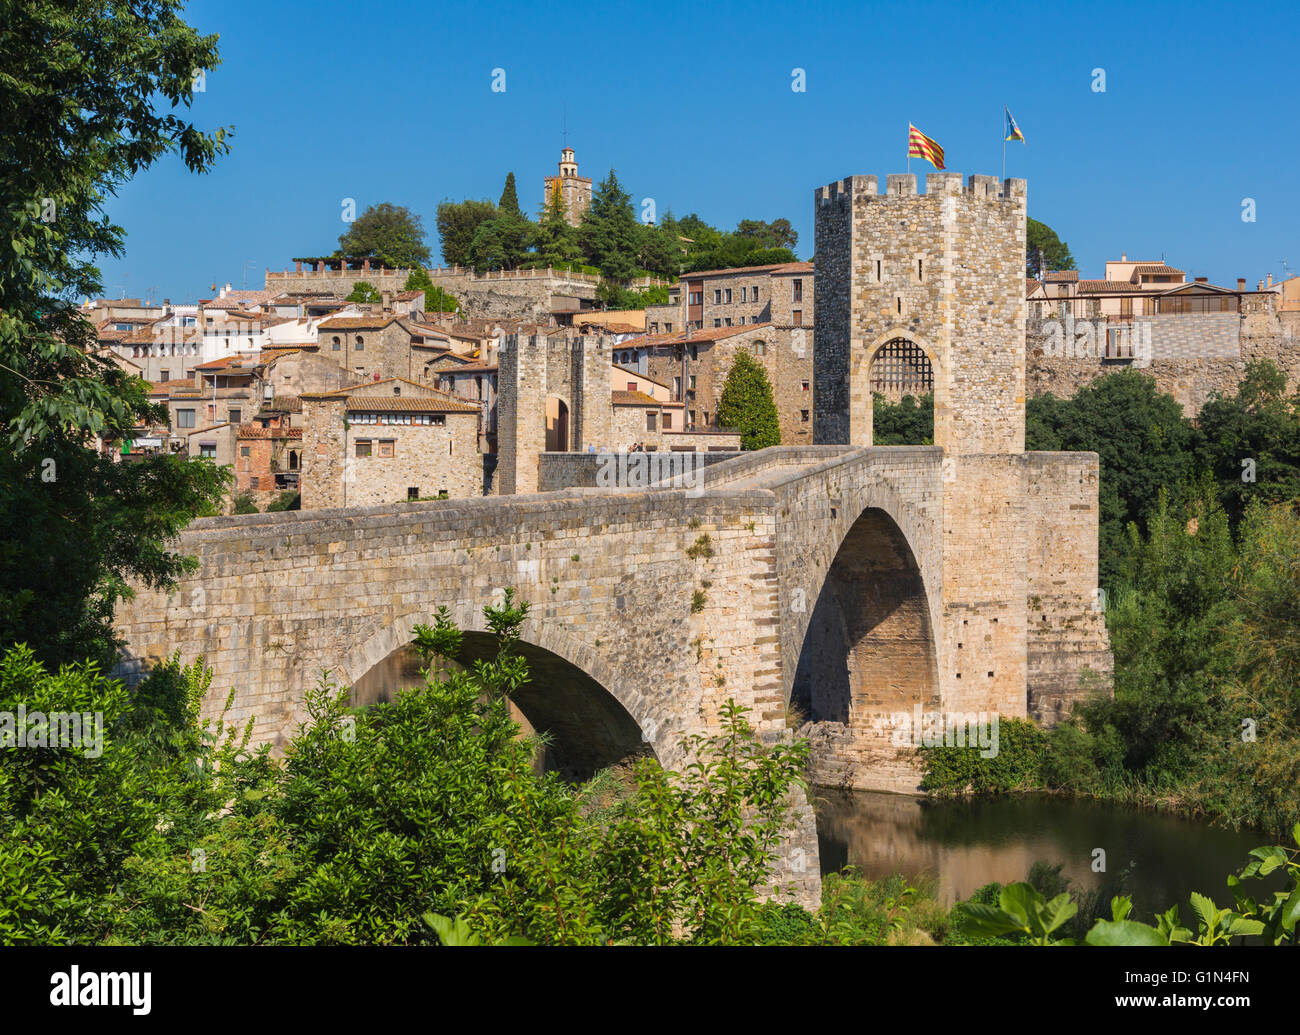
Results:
<point x="781" y="293"/>
<point x="380" y="345"/>
<point x="387" y="441"/>
<point x="268" y="455"/>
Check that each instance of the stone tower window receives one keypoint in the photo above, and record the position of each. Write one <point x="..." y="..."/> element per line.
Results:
<point x="901" y="367"/>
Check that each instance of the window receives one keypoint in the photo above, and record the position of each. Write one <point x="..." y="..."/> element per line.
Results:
<point x="654" y="328"/>
<point x="668" y="421"/>
<point x="717" y="296"/>
<point x="397" y="389"/>
<point x="337" y="344"/>
<point x="760" y="348"/>
<point x="803" y="386"/>
<point x="755" y="292"/>
<point x="387" y="447"/>
<point x="235" y="416"/>
<point x="692" y="382"/>
<point x="690" y="417"/>
<point x="727" y="296"/>
<point x="166" y="375"/>
<point x="796" y="290"/>
<point x="742" y="293"/>
<point x="413" y="492"/>
<point x="631" y="386"/>
<point x="360" y="343"/>
<point x="668" y="328"/>
<point x="253" y="483"/>
<point x="717" y="322"/>
<point x="650" y="420"/>
<point x="208" y="449"/>
<point x="727" y="322"/>
<point x="697" y="298"/>
<point x="363" y="447"/>
<point x="803" y="416"/>
<point x="243" y="450"/>
<point x="677" y="386"/>
<point x="185" y="418"/>
<point x="797" y="317"/>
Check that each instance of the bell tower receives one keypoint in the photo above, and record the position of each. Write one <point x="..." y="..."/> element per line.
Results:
<point x="574" y="190"/>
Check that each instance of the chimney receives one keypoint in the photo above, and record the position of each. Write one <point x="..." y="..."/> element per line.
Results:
<point x="1270" y="280"/>
<point x="387" y="297"/>
<point x="1241" y="283"/>
<point x="1202" y="280"/>
<point x="1123" y="256"/>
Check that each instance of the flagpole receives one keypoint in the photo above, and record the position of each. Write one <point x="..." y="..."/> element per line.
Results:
<point x="909" y="149"/>
<point x="1004" y="144"/>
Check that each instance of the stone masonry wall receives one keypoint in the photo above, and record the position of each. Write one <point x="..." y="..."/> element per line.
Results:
<point x="1066" y="624"/>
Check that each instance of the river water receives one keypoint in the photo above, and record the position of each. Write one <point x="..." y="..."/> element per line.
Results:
<point x="963" y="845"/>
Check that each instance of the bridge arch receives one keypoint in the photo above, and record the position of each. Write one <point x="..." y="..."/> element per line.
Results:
<point x="869" y="649"/>
<point x="571" y="693"/>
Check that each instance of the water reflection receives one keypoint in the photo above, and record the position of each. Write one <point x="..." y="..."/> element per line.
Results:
<point x="965" y="845"/>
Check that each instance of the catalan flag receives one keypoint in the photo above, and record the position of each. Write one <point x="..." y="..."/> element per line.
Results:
<point x="921" y="146"/>
<point x="1013" y="131"/>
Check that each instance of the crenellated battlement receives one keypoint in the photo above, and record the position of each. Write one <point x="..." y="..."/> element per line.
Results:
<point x="937" y="184"/>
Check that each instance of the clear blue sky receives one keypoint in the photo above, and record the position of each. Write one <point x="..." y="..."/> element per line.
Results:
<point x="692" y="105"/>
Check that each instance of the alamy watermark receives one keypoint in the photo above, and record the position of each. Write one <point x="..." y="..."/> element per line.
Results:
<point x="1095" y="339"/>
<point x="630" y="471"/>
<point x="83" y="731"/>
<point x="919" y="728"/>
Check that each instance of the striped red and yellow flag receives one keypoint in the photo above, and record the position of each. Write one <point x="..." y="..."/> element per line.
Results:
<point x="921" y="146"/>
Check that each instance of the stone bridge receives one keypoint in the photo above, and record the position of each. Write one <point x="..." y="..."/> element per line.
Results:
<point x="809" y="583"/>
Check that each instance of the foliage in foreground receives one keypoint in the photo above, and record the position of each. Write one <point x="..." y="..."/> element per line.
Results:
<point x="374" y="823"/>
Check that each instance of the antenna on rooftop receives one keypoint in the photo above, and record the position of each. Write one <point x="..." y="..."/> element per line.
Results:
<point x="1286" y="270"/>
<point x="250" y="262"/>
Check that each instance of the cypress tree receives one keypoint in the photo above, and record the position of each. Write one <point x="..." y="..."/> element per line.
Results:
<point x="748" y="406"/>
<point x="509" y="203"/>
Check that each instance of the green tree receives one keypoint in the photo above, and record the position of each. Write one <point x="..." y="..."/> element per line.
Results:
<point x="1251" y="440"/>
<point x="776" y="234"/>
<point x="555" y="240"/>
<point x="509" y="203"/>
<point x="458" y="221"/>
<point x="747" y="404"/>
<point x="610" y="236"/>
<point x="1143" y="441"/>
<point x="392" y="234"/>
<point x="363" y="291"/>
<point x="91" y="94"/>
<point x="1044" y="250"/>
<point x="908" y="422"/>
<point x="436" y="300"/>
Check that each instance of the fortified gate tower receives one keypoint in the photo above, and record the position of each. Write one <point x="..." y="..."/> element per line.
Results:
<point x="922" y="293"/>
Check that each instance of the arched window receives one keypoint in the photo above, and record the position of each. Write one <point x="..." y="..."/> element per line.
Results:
<point x="901" y="367"/>
<point x="337" y="343"/>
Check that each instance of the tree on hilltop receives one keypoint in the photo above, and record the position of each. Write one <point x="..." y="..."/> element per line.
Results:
<point x="392" y="234"/>
<point x="509" y="203"/>
<point x="458" y="222"/>
<point x="1044" y="250"/>
<point x="610" y="236"/>
<point x="436" y="300"/>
